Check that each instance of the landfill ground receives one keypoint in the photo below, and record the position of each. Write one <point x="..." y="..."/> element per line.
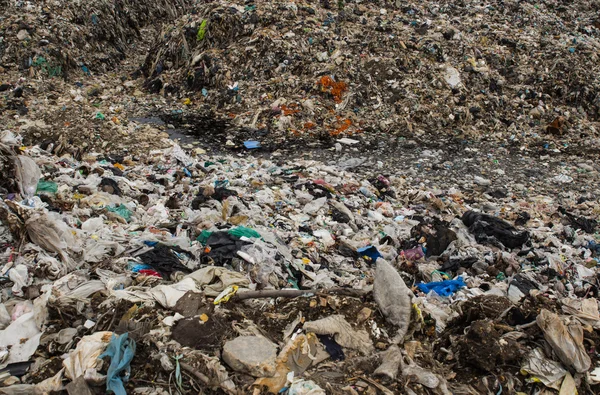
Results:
<point x="253" y="197"/>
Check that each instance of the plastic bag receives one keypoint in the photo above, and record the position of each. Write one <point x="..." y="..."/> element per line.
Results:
<point x="122" y="211"/>
<point x="393" y="297"/>
<point x="22" y="336"/>
<point x="312" y="207"/>
<point x="4" y="317"/>
<point x="43" y="232"/>
<point x="85" y="356"/>
<point x="44" y="186"/>
<point x="566" y="339"/>
<point x="305" y="387"/>
<point x="543" y="369"/>
<point x="342" y="331"/>
<point x="18" y="275"/>
<point x="443" y="288"/>
<point x="585" y="310"/>
<point x="28" y="174"/>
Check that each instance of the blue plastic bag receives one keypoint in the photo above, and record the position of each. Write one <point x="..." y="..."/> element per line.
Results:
<point x="443" y="288"/>
<point x="370" y="253"/>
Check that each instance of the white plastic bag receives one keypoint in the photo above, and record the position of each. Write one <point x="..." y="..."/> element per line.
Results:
<point x="28" y="174"/>
<point x="85" y="356"/>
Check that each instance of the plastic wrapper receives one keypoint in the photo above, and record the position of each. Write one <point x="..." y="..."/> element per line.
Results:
<point x="565" y="336"/>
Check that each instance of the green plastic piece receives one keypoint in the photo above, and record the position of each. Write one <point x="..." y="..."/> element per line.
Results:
<point x="122" y="211"/>
<point x="44" y="186"/>
<point x="241" y="231"/>
<point x="202" y="30"/>
<point x="238" y="232"/>
<point x="203" y="237"/>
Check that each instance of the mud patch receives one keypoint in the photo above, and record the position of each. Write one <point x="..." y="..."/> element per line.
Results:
<point x="209" y="335"/>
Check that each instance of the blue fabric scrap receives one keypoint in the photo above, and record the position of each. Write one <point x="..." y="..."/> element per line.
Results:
<point x="120" y="350"/>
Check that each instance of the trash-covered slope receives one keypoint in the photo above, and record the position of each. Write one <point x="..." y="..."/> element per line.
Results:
<point x="55" y="38"/>
<point x="363" y="198"/>
<point x="492" y="70"/>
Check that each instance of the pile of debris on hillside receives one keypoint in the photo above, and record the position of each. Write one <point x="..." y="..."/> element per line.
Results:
<point x="66" y="39"/>
<point x="437" y="262"/>
<point x="497" y="70"/>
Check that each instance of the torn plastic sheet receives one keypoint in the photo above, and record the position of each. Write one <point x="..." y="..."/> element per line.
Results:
<point x="542" y="369"/>
<point x="85" y="355"/>
<point x="121" y="351"/>
<point x="342" y="331"/>
<point x="213" y="279"/>
<point x="28" y="174"/>
<point x="22" y="336"/>
<point x="566" y="338"/>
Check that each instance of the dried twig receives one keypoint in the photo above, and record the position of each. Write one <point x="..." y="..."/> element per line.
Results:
<point x="205" y="379"/>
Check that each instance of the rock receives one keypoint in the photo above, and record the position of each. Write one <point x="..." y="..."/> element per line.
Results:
<point x="481" y="181"/>
<point x="254" y="355"/>
<point x="23" y="35"/>
<point x="364" y="314"/>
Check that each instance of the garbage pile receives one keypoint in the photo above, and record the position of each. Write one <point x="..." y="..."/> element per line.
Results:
<point x="182" y="272"/>
<point x="375" y="198"/>
<point x="498" y="71"/>
<point x="55" y="39"/>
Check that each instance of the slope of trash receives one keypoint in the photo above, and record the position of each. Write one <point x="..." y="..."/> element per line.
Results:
<point x="495" y="71"/>
<point x="52" y="39"/>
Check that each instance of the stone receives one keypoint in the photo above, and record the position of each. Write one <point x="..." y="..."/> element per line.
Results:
<point x="364" y="314"/>
<point x="22" y="35"/>
<point x="482" y="181"/>
<point x="254" y="355"/>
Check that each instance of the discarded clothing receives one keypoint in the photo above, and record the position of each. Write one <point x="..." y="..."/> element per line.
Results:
<point x="437" y="235"/>
<point x="585" y="224"/>
<point x="456" y="263"/>
<point x="165" y="259"/>
<point x="332" y="347"/>
<point x="492" y="230"/>
<point x="370" y="253"/>
<point x="223" y="246"/>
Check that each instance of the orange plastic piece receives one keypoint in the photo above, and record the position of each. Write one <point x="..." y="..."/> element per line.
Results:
<point x="346" y="123"/>
<point x="336" y="89"/>
<point x="289" y="110"/>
